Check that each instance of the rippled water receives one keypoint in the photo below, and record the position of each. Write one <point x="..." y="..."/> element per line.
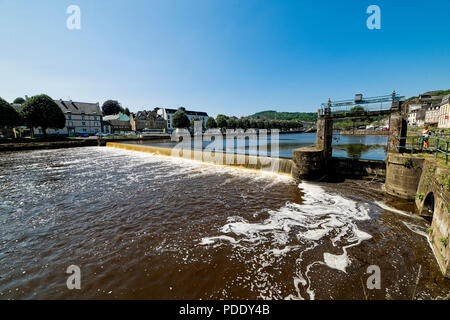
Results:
<point x="151" y="227"/>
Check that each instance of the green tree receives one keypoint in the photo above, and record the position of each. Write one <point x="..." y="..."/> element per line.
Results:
<point x="8" y="115"/>
<point x="180" y="119"/>
<point x="211" y="123"/>
<point x="41" y="111"/>
<point x="232" y="123"/>
<point x="111" y="107"/>
<point x="127" y="111"/>
<point x="193" y="121"/>
<point x="19" y="100"/>
<point x="357" y="109"/>
<point x="221" y="121"/>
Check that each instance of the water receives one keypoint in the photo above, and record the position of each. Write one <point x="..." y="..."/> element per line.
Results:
<point x="361" y="147"/>
<point x="142" y="226"/>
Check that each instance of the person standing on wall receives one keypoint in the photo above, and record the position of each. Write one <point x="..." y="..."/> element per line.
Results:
<point x="426" y="136"/>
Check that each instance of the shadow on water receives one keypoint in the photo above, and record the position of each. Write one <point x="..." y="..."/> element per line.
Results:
<point x="357" y="151"/>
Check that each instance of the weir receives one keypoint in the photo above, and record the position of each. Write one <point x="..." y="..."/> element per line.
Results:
<point x="265" y="164"/>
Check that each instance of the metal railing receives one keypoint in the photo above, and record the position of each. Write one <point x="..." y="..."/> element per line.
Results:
<point x="363" y="106"/>
<point x="436" y="145"/>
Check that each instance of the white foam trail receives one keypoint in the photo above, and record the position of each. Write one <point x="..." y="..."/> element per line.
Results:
<point x="401" y="212"/>
<point x="322" y="218"/>
<point x="422" y="232"/>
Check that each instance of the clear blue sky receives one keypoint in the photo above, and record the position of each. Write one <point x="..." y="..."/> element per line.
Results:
<point x="231" y="57"/>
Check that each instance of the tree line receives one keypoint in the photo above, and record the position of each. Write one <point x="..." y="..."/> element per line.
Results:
<point x="36" y="112"/>
<point x="181" y="120"/>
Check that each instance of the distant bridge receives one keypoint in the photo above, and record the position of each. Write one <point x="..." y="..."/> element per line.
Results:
<point x="361" y="107"/>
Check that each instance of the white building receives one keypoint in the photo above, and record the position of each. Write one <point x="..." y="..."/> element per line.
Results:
<point x="444" y="113"/>
<point x="167" y="115"/>
<point x="416" y="117"/>
<point x="412" y="114"/>
<point x="432" y="115"/>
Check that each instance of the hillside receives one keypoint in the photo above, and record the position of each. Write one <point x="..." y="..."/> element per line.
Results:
<point x="272" y="115"/>
<point x="436" y="93"/>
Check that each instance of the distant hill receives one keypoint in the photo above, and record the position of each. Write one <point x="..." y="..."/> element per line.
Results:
<point x="272" y="115"/>
<point x="436" y="93"/>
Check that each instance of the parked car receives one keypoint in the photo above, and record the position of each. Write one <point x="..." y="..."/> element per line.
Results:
<point x="81" y="134"/>
<point x="384" y="129"/>
<point x="101" y="134"/>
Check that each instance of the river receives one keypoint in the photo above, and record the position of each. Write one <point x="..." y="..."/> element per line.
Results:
<point x="360" y="147"/>
<point x="143" y="226"/>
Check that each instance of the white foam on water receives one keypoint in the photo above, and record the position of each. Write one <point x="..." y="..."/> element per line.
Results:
<point x="321" y="219"/>
<point x="422" y="232"/>
<point x="185" y="166"/>
<point x="401" y="212"/>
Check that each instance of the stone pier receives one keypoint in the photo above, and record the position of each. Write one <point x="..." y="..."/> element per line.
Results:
<point x="313" y="162"/>
<point x="398" y="126"/>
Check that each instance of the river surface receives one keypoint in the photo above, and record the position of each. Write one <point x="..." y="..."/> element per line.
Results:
<point x="359" y="147"/>
<point x="143" y="226"/>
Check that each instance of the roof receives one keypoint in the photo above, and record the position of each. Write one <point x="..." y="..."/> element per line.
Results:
<point x="17" y="107"/>
<point x="119" y="117"/>
<point x="79" y="107"/>
<point x="146" y="115"/>
<point x="188" y="112"/>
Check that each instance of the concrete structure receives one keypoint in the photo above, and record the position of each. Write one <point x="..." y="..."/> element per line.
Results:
<point x="167" y="115"/>
<point x="309" y="163"/>
<point x="410" y="177"/>
<point x="275" y="165"/>
<point x="358" y="168"/>
<point x="316" y="161"/>
<point x="146" y="120"/>
<point x="403" y="173"/>
<point x="434" y="201"/>
<point x="444" y="113"/>
<point x="117" y="123"/>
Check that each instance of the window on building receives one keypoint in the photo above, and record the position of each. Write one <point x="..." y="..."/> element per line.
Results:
<point x="83" y="123"/>
<point x="82" y="117"/>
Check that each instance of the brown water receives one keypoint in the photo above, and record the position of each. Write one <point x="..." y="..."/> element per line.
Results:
<point x="150" y="227"/>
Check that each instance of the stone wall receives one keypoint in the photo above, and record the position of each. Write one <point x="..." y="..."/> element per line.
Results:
<point x="403" y="174"/>
<point x="308" y="163"/>
<point x="363" y="133"/>
<point x="359" y="168"/>
<point x="432" y="190"/>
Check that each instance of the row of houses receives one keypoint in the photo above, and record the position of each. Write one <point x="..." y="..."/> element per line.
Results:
<point x="87" y="118"/>
<point x="431" y="111"/>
